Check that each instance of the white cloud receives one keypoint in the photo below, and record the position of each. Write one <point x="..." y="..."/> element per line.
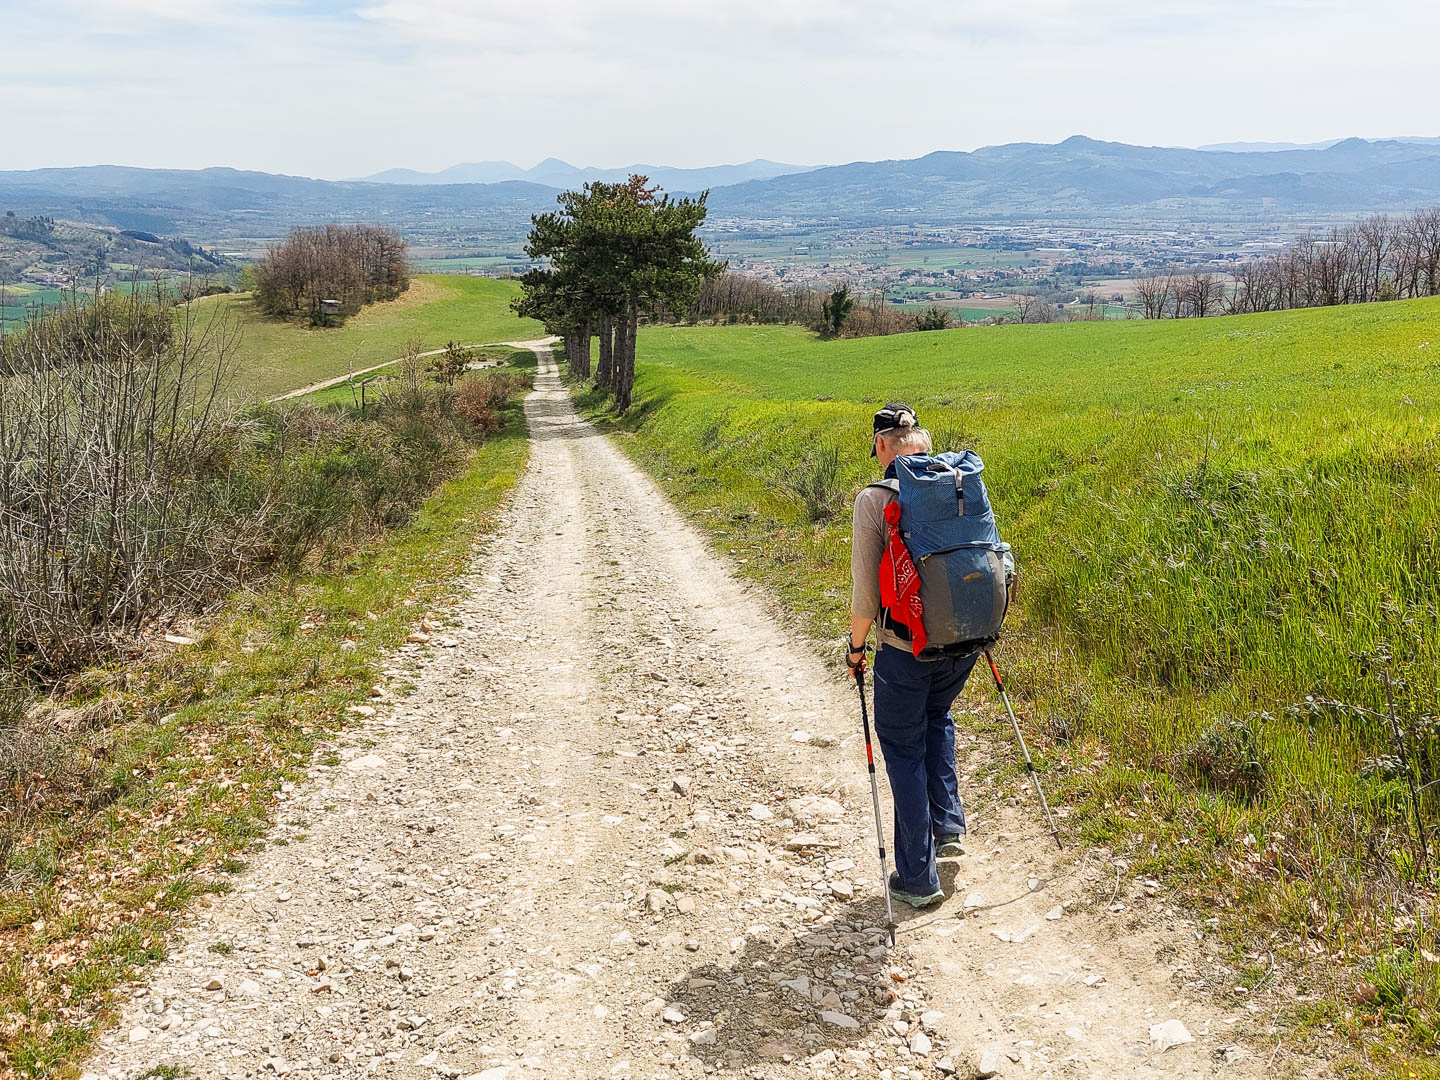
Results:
<point x="329" y="87"/>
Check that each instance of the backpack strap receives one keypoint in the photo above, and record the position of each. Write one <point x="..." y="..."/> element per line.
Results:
<point x="885" y="619"/>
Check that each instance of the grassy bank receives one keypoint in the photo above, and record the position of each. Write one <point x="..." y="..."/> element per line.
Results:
<point x="190" y="751"/>
<point x="1214" y="519"/>
<point x="278" y="356"/>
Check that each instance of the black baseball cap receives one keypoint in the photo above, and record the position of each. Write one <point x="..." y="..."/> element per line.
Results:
<point x="894" y="415"/>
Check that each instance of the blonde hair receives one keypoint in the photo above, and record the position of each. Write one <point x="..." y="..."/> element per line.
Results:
<point x="907" y="440"/>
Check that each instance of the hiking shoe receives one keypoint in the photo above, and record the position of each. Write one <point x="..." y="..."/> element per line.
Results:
<point x="949" y="847"/>
<point x="915" y="900"/>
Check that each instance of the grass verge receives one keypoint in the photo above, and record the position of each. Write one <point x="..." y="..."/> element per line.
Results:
<point x="196" y="746"/>
<point x="1215" y="520"/>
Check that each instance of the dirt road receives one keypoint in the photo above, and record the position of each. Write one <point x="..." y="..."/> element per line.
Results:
<point x="618" y="828"/>
<point x="325" y="384"/>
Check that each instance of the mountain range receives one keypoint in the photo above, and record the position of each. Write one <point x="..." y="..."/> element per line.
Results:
<point x="1243" y="147"/>
<point x="561" y="174"/>
<point x="1078" y="179"/>
<point x="1083" y="176"/>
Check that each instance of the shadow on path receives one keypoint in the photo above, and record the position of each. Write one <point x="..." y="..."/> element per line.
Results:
<point x="786" y="998"/>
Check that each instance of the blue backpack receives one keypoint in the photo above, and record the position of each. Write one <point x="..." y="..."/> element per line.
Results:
<point x="966" y="570"/>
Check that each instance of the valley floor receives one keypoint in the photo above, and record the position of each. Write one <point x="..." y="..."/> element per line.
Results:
<point x="609" y="820"/>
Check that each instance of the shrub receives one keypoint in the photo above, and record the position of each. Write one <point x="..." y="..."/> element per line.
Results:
<point x="933" y="318"/>
<point x="449" y="365"/>
<point x="116" y="494"/>
<point x="130" y="494"/>
<point x="1226" y="757"/>
<point x="814" y="482"/>
<point x="479" y="399"/>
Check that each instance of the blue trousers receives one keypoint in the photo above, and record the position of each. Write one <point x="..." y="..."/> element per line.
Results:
<point x="917" y="738"/>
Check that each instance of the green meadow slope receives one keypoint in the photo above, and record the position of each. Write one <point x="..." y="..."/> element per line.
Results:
<point x="1213" y="518"/>
<point x="277" y="355"/>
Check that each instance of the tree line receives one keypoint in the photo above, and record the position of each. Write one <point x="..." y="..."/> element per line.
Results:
<point x="739" y="298"/>
<point x="327" y="273"/>
<point x="616" y="251"/>
<point x="1377" y="258"/>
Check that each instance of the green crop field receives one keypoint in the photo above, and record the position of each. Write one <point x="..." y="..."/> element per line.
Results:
<point x="276" y="356"/>
<point x="1214" y="519"/>
<point x="21" y="301"/>
<point x="459" y="264"/>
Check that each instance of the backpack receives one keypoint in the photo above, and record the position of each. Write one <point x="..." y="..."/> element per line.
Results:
<point x="966" y="571"/>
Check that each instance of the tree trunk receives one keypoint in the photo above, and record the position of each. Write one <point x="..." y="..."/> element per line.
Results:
<point x="604" y="373"/>
<point x="625" y="357"/>
<point x="577" y="354"/>
<point x="582" y="350"/>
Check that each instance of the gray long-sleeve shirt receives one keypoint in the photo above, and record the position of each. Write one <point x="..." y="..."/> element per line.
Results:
<point x="868" y="537"/>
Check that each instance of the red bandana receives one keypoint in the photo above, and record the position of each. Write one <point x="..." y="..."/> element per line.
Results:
<point x="900" y="583"/>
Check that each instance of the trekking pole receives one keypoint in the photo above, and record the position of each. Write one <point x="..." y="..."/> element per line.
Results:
<point x="1024" y="750"/>
<point x="875" y="799"/>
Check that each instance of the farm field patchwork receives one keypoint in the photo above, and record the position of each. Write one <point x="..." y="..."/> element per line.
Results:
<point x="21" y="300"/>
<point x="1215" y="520"/>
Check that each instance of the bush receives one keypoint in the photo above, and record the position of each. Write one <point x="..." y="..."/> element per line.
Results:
<point x="449" y="365"/>
<point x="129" y="494"/>
<point x="117" y="498"/>
<point x="933" y="318"/>
<point x="480" y="399"/>
<point x="1226" y="757"/>
<point x="814" y="482"/>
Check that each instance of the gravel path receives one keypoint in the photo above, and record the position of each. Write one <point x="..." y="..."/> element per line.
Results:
<point x="325" y="384"/>
<point x="618" y="828"/>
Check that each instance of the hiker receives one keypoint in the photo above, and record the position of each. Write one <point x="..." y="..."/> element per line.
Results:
<point x="913" y="693"/>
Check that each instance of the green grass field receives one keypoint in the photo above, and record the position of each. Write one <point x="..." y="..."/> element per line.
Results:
<point x="276" y="356"/>
<point x="1213" y="519"/>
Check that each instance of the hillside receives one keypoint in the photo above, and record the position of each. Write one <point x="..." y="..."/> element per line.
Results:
<point x="40" y="258"/>
<point x="276" y="356"/>
<point x="235" y="204"/>
<point x="1083" y="175"/>
<point x="1078" y="177"/>
<point x="1213" y="518"/>
<point x="561" y="174"/>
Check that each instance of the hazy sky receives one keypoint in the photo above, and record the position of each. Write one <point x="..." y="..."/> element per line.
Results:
<point x="337" y="88"/>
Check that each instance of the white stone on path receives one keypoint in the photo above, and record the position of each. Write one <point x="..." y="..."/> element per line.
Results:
<point x="813" y="809"/>
<point x="1169" y="1033"/>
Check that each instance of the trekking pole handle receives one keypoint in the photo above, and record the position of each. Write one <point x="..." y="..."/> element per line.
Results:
<point x="859" y="665"/>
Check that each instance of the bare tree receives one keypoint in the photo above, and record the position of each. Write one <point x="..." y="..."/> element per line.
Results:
<point x="1153" y="291"/>
<point x="1200" y="293"/>
<point x="1031" y="308"/>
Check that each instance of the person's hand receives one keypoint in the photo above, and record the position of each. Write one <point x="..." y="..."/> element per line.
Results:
<point x="855" y="659"/>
